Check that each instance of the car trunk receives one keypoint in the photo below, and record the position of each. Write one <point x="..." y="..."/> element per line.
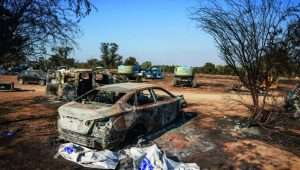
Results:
<point x="79" y="117"/>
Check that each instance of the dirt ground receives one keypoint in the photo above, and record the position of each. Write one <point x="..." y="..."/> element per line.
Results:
<point x="211" y="137"/>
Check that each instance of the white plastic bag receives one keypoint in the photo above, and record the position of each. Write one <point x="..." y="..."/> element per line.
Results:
<point x="148" y="158"/>
<point x="104" y="159"/>
<point x="152" y="158"/>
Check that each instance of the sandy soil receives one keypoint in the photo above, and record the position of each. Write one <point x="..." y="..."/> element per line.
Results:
<point x="210" y="137"/>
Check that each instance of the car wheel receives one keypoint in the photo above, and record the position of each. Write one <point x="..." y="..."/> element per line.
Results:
<point x="21" y="81"/>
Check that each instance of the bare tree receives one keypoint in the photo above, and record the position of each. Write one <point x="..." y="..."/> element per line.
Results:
<point x="246" y="32"/>
<point x="29" y="27"/>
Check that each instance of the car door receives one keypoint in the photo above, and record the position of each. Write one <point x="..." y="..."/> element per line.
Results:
<point x="146" y="110"/>
<point x="167" y="105"/>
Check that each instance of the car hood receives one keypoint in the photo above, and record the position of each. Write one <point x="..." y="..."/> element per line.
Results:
<point x="86" y="111"/>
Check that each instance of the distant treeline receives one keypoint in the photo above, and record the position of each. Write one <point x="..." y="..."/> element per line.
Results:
<point x="207" y="68"/>
<point x="111" y="59"/>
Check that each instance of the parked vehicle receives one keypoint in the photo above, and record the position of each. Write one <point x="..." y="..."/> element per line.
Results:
<point x="32" y="76"/>
<point x="68" y="84"/>
<point x="127" y="73"/>
<point x="17" y="69"/>
<point x="184" y="76"/>
<point x="154" y="73"/>
<point x="107" y="115"/>
<point x="102" y="76"/>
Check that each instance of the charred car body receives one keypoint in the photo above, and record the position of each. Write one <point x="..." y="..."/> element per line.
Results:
<point x="71" y="83"/>
<point x="105" y="116"/>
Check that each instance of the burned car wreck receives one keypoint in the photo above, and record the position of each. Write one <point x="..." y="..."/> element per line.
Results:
<point x="105" y="116"/>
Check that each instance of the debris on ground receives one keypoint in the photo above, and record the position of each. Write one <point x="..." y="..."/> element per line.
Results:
<point x="254" y="131"/>
<point x="7" y="86"/>
<point x="144" y="158"/>
<point x="9" y="133"/>
<point x="184" y="142"/>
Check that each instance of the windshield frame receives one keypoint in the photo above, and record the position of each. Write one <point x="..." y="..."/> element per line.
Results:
<point x="99" y="91"/>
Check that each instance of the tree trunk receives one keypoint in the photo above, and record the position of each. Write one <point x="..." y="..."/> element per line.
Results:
<point x="255" y="110"/>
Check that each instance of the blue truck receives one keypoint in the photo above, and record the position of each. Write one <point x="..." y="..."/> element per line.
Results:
<point x="154" y="72"/>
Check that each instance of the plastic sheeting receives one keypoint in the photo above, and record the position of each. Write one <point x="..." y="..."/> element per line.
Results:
<point x="104" y="159"/>
<point x="147" y="158"/>
<point x="152" y="158"/>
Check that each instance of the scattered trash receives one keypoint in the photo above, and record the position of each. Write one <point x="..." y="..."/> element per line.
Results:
<point x="9" y="133"/>
<point x="147" y="158"/>
<point x="236" y="128"/>
<point x="249" y="131"/>
<point x="69" y="150"/>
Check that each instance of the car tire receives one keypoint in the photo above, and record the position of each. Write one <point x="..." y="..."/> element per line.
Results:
<point x="42" y="82"/>
<point x="21" y="81"/>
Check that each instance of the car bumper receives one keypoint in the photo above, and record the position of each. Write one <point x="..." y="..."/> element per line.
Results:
<point x="77" y="138"/>
<point x="184" y="80"/>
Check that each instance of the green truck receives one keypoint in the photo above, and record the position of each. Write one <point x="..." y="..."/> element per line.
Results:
<point x="184" y="76"/>
<point x="127" y="73"/>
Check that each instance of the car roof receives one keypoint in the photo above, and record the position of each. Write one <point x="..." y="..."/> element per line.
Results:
<point x="125" y="87"/>
<point x="33" y="71"/>
<point x="82" y="70"/>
